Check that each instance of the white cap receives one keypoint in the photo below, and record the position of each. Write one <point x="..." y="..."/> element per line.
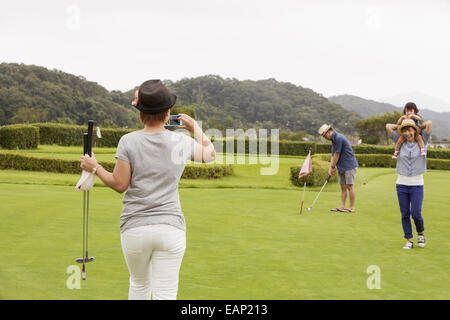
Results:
<point x="323" y="129"/>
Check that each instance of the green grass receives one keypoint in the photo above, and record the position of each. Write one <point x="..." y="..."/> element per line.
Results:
<point x="245" y="238"/>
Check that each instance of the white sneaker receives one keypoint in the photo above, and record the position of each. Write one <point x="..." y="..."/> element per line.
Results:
<point x="408" y="245"/>
<point x="421" y="240"/>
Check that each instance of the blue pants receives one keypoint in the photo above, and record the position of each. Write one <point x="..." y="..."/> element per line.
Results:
<point x="410" y="199"/>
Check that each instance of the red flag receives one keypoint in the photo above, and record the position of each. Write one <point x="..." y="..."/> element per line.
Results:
<point x="306" y="167"/>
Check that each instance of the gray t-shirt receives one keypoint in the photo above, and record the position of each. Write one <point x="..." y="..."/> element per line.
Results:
<point x="410" y="162"/>
<point x="157" y="161"/>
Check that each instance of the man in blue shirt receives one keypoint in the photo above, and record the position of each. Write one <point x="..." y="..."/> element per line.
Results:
<point x="343" y="158"/>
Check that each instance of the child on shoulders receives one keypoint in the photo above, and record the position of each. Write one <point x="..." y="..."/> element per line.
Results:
<point x="410" y="111"/>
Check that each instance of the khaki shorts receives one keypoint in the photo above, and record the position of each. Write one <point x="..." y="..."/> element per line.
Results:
<point x="348" y="177"/>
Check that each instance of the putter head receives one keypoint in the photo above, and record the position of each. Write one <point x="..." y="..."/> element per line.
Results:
<point x="81" y="260"/>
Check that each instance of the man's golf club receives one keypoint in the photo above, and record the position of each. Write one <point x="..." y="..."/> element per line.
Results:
<point x="326" y="181"/>
<point x="87" y="149"/>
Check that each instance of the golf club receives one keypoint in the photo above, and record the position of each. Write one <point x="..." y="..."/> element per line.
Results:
<point x="87" y="149"/>
<point x="326" y="181"/>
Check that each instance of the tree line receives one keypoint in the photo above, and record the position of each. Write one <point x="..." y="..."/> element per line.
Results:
<point x="31" y="94"/>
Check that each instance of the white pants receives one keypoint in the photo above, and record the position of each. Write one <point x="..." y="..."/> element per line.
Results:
<point x="153" y="255"/>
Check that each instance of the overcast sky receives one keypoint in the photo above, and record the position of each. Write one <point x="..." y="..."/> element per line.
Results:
<point x="367" y="48"/>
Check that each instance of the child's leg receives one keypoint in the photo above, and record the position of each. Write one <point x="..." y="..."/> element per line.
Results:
<point x="421" y="143"/>
<point x="419" y="139"/>
<point x="398" y="145"/>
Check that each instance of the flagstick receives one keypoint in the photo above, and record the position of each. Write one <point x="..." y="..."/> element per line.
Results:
<point x="308" y="169"/>
<point x="303" y="197"/>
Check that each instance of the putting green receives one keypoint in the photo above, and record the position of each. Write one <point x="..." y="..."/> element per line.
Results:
<point x="245" y="239"/>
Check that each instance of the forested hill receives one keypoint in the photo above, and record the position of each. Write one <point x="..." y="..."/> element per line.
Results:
<point x="367" y="108"/>
<point x="36" y="94"/>
<point x="263" y="103"/>
<point x="364" y="107"/>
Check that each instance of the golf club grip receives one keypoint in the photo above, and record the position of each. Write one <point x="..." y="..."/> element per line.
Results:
<point x="85" y="143"/>
<point x="90" y="133"/>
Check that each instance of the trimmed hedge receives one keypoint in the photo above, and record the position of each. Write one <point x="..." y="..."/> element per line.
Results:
<point x="19" y="136"/>
<point x="371" y="149"/>
<point x="210" y="171"/>
<point x="110" y="137"/>
<point x="323" y="148"/>
<point x="63" y="135"/>
<point x="71" y="135"/>
<point x="318" y="175"/>
<point x="31" y="163"/>
<point x="376" y="160"/>
<point x="438" y="154"/>
<point x="285" y="147"/>
<point x="438" y="164"/>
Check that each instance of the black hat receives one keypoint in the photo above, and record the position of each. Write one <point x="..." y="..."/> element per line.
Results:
<point x="154" y="97"/>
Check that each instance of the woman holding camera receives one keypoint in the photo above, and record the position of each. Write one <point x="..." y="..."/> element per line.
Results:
<point x="149" y="165"/>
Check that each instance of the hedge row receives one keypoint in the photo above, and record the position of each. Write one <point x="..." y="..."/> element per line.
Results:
<point x="371" y="149"/>
<point x="252" y="146"/>
<point x="317" y="176"/>
<point x="30" y="163"/>
<point x="196" y="171"/>
<point x="71" y="135"/>
<point x="19" y="136"/>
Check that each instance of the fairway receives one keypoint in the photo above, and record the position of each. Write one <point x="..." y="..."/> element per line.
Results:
<point x="245" y="238"/>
